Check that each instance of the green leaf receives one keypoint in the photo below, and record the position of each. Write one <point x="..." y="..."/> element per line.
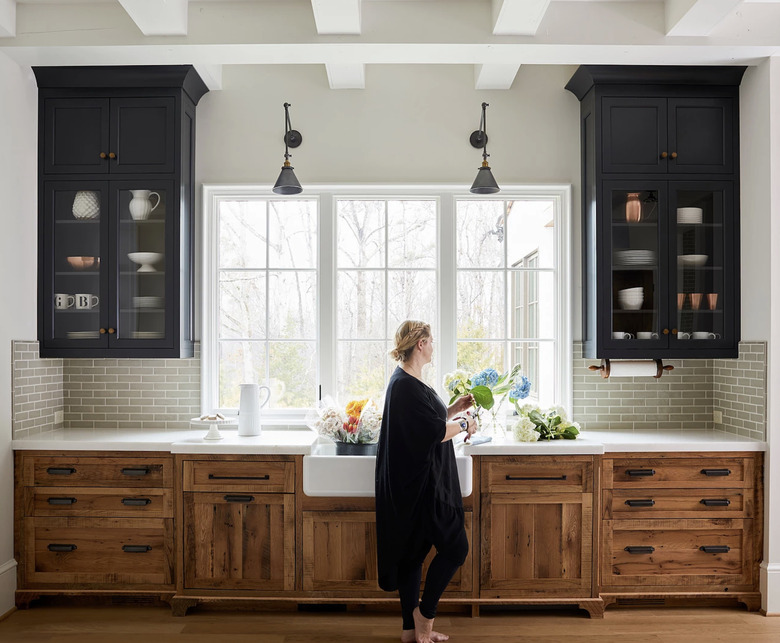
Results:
<point x="483" y="397"/>
<point x="453" y="398"/>
<point x="537" y="418"/>
<point x="555" y="421"/>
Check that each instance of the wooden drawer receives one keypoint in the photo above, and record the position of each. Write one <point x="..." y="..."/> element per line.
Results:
<point x="113" y="551"/>
<point x="98" y="471"/>
<point x="621" y="504"/>
<point x="687" y="555"/>
<point x="98" y="501"/>
<point x="548" y="474"/>
<point x="267" y="476"/>
<point x="690" y="472"/>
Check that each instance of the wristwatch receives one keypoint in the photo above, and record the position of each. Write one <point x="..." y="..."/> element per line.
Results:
<point x="464" y="426"/>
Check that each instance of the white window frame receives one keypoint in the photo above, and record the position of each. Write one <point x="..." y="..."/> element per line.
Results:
<point x="446" y="276"/>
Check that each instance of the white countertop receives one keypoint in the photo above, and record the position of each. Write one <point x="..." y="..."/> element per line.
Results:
<point x="292" y="442"/>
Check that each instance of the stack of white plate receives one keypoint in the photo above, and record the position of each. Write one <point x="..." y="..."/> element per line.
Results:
<point x="148" y="302"/>
<point x="635" y="257"/>
<point x="631" y="298"/>
<point x="689" y="215"/>
<point x="147" y="334"/>
<point x="83" y="334"/>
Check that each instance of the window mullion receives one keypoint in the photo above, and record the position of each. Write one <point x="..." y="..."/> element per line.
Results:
<point x="447" y="350"/>
<point x="327" y="293"/>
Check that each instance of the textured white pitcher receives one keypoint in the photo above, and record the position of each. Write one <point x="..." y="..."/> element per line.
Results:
<point x="141" y="205"/>
<point x="249" y="408"/>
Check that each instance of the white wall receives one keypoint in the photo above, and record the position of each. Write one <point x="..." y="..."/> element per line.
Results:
<point x="18" y="222"/>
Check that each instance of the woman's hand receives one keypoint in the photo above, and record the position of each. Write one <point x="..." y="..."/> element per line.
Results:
<point x="461" y="404"/>
<point x="471" y="429"/>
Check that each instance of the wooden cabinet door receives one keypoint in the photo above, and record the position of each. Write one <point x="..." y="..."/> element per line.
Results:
<point x="239" y="541"/>
<point x="142" y="135"/>
<point x="633" y="135"/>
<point x="701" y="135"/>
<point x="74" y="134"/>
<point x="536" y="544"/>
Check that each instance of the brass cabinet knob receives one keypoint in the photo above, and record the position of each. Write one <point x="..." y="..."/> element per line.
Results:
<point x="102" y="331"/>
<point x="664" y="155"/>
<point x="674" y="331"/>
<point x="111" y="331"/>
<point x="103" y="155"/>
<point x="666" y="331"/>
<point x="674" y="155"/>
<point x="111" y="155"/>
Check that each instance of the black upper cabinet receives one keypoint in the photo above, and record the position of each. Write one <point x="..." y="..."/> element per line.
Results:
<point x="115" y="215"/>
<point x="660" y="211"/>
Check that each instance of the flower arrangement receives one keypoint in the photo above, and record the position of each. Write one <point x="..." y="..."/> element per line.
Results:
<point x="356" y="423"/>
<point x="535" y="424"/>
<point x="489" y="389"/>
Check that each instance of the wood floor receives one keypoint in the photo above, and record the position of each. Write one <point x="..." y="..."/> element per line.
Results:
<point x="152" y="624"/>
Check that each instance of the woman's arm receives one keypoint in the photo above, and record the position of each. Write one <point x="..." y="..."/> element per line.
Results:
<point x="454" y="427"/>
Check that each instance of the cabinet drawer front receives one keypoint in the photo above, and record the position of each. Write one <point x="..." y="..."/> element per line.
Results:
<point x="90" y="501"/>
<point x="704" y="473"/>
<point x="677" y="503"/>
<point x="678" y="553"/>
<point x="264" y="476"/>
<point x="537" y="473"/>
<point x="99" y="550"/>
<point x="77" y="471"/>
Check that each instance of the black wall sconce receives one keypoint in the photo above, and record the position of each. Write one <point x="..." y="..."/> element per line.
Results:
<point x="484" y="183"/>
<point x="288" y="183"/>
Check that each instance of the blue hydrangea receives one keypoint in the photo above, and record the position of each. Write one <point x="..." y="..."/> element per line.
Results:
<point x="521" y="389"/>
<point x="488" y="377"/>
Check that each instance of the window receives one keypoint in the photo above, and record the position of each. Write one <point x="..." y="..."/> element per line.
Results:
<point x="305" y="294"/>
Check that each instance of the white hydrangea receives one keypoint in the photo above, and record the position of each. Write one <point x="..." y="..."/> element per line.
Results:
<point x="524" y="430"/>
<point x="557" y="410"/>
<point x="525" y="409"/>
<point x="451" y="380"/>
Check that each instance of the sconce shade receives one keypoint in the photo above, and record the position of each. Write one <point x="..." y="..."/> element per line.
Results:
<point x="287" y="183"/>
<point x="484" y="183"/>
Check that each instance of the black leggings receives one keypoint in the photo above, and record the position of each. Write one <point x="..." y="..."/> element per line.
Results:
<point x="445" y="532"/>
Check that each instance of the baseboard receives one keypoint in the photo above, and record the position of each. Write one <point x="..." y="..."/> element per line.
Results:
<point x="770" y="588"/>
<point x="7" y="585"/>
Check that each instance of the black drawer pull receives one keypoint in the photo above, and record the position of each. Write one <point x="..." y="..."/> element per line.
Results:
<point x="716" y="502"/>
<point x="640" y="472"/>
<point x="136" y="502"/>
<point x="563" y="477"/>
<point x="56" y="547"/>
<point x="640" y="550"/>
<point x="60" y="471"/>
<point x="62" y="501"/>
<point x="213" y="477"/>
<point x="239" y="498"/>
<point x="136" y="471"/>
<point x="136" y="549"/>
<point x="715" y="549"/>
<point x="716" y="472"/>
<point x="645" y="502"/>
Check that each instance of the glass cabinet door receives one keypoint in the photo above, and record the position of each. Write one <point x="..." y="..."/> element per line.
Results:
<point x="635" y="229"/>
<point x="75" y="263"/>
<point x="143" y="218"/>
<point x="702" y="287"/>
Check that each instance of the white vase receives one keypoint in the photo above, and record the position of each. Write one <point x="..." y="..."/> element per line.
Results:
<point x="249" y="408"/>
<point x="86" y="205"/>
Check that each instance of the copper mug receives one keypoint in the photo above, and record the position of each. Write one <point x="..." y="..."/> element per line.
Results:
<point x="712" y="300"/>
<point x="696" y="300"/>
<point x="680" y="300"/>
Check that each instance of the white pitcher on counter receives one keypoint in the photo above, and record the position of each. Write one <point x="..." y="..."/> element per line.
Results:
<point x="249" y="408"/>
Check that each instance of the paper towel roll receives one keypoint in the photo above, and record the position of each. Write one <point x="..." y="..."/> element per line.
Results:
<point x="631" y="368"/>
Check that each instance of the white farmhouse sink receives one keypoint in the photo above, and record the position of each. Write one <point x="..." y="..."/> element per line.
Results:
<point x="352" y="476"/>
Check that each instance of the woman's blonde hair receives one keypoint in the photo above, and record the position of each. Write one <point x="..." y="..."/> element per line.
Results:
<point x="406" y="337"/>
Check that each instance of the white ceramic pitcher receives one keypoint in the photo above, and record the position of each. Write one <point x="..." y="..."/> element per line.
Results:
<point x="141" y="204"/>
<point x="249" y="408"/>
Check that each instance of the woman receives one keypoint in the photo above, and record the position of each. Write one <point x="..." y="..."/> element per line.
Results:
<point x="418" y="499"/>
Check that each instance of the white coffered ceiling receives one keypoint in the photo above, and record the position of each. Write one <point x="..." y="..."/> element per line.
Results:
<point x="495" y="36"/>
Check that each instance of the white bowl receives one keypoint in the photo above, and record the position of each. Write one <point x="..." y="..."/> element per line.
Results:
<point x="692" y="260"/>
<point x="145" y="259"/>
<point x="631" y="305"/>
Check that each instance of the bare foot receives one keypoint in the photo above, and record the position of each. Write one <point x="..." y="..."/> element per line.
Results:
<point x="423" y="627"/>
<point x="407" y="636"/>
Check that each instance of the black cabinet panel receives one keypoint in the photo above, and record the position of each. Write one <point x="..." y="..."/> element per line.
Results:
<point x="701" y="134"/>
<point x="75" y="137"/>
<point x="633" y="135"/>
<point x="142" y="135"/>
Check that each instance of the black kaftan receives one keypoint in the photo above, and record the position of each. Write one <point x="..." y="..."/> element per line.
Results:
<point x="416" y="479"/>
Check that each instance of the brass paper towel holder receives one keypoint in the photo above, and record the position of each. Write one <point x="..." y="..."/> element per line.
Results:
<point x="604" y="368"/>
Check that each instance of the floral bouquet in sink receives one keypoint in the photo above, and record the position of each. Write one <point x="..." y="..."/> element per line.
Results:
<point x="354" y="427"/>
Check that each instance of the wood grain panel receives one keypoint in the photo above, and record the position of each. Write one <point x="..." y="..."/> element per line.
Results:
<point x="101" y="471"/>
<point x="686" y="472"/>
<point x="573" y="474"/>
<point x="268" y="476"/>
<point x="98" y="501"/>
<point x="678" y="503"/>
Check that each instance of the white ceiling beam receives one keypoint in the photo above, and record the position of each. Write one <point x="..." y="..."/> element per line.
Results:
<point x="518" y="17"/>
<point x="346" y="75"/>
<point x="7" y="18"/>
<point x="494" y="76"/>
<point x="696" y="17"/>
<point x="158" y="17"/>
<point x="337" y="16"/>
